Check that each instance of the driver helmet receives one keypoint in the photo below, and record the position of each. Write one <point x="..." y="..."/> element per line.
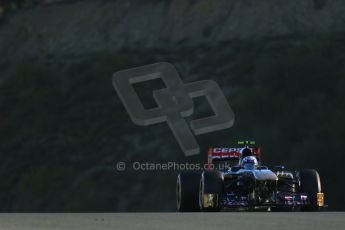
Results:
<point x="249" y="163"/>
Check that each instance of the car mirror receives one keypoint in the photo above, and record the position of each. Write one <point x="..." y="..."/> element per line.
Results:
<point x="279" y="167"/>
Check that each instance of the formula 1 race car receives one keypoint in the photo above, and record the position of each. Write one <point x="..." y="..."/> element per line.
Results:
<point x="247" y="185"/>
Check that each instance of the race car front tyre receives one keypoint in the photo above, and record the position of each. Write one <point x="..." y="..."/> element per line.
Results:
<point x="211" y="187"/>
<point x="187" y="192"/>
<point x="311" y="185"/>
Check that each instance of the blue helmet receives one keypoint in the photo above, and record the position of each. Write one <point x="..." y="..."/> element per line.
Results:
<point x="249" y="163"/>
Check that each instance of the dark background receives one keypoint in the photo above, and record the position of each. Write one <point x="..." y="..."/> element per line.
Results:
<point x="280" y="64"/>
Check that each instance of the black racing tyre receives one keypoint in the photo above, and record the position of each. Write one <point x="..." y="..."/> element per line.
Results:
<point x="211" y="182"/>
<point x="311" y="185"/>
<point x="187" y="192"/>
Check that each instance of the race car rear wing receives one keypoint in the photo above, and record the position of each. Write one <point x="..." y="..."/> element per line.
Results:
<point x="219" y="154"/>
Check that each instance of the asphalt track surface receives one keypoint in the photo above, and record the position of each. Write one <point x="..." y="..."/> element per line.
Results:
<point x="173" y="221"/>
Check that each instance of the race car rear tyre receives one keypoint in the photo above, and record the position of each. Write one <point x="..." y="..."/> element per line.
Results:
<point x="310" y="184"/>
<point x="187" y="192"/>
<point x="211" y="182"/>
